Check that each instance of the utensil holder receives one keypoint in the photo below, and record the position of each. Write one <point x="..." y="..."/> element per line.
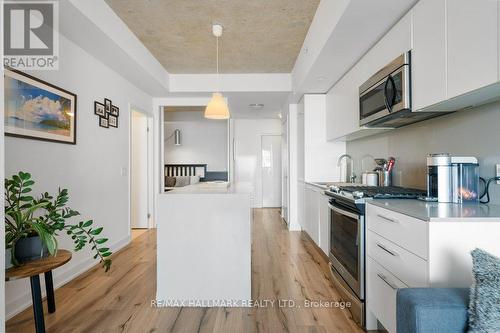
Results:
<point x="384" y="178"/>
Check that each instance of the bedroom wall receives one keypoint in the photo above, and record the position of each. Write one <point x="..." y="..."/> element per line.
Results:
<point x="247" y="150"/>
<point x="95" y="170"/>
<point x="202" y="140"/>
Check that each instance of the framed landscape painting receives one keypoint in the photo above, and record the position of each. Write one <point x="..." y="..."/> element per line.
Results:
<point x="36" y="109"/>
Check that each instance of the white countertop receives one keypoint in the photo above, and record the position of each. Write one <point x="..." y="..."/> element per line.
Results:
<point x="441" y="212"/>
<point x="324" y="185"/>
<point x="210" y="188"/>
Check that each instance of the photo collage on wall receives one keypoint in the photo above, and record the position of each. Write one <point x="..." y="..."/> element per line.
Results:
<point x="107" y="112"/>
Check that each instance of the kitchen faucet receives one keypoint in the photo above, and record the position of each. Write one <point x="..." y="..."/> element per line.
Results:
<point x="350" y="171"/>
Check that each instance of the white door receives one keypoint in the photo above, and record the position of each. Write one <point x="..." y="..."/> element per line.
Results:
<point x="271" y="170"/>
<point x="139" y="170"/>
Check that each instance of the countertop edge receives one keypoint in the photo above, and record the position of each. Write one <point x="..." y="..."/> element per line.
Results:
<point x="431" y="219"/>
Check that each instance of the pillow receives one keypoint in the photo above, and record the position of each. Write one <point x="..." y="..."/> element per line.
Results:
<point x="169" y="181"/>
<point x="194" y="180"/>
<point x="484" y="307"/>
<point x="182" y="181"/>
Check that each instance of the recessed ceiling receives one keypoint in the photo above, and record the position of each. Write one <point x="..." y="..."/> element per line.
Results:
<point x="260" y="36"/>
<point x="238" y="103"/>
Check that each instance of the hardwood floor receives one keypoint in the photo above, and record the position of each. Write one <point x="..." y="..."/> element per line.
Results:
<point x="285" y="266"/>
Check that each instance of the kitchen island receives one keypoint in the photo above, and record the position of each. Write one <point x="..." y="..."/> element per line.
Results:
<point x="204" y="246"/>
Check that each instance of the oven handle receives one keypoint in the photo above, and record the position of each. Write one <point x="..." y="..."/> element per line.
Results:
<point x="343" y="212"/>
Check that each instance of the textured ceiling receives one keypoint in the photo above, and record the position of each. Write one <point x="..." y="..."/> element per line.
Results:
<point x="260" y="36"/>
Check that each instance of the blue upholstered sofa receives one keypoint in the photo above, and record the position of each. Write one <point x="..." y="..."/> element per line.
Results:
<point x="432" y="310"/>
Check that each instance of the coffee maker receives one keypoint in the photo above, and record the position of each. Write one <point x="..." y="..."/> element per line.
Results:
<point x="452" y="178"/>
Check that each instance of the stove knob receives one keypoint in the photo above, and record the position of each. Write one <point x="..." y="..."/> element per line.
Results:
<point x="358" y="194"/>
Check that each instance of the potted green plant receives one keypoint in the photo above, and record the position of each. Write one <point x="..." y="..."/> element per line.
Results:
<point x="32" y="224"/>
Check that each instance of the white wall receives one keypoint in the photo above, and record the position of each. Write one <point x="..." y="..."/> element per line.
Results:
<point x="2" y="225"/>
<point x="91" y="169"/>
<point x="247" y="150"/>
<point x="202" y="140"/>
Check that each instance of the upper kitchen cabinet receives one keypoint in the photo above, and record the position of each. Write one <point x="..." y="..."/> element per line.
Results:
<point x="342" y="118"/>
<point x="428" y="58"/>
<point x="342" y="107"/>
<point x="455" y="59"/>
<point x="472" y="31"/>
<point x="320" y="156"/>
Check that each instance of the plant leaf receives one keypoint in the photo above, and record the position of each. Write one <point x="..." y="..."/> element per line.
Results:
<point x="96" y="232"/>
<point x="101" y="240"/>
<point x="87" y="224"/>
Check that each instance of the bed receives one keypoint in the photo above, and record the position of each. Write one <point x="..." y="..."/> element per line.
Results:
<point x="179" y="175"/>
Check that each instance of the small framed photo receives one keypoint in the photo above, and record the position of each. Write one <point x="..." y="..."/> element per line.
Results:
<point x="113" y="121"/>
<point x="103" y="122"/>
<point x="99" y="109"/>
<point x="107" y="104"/>
<point x="115" y="111"/>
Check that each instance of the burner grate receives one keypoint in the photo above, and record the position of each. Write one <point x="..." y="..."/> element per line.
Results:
<point x="386" y="192"/>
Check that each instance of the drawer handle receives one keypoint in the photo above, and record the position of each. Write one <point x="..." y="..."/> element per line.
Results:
<point x="383" y="278"/>
<point x="392" y="253"/>
<point x="387" y="219"/>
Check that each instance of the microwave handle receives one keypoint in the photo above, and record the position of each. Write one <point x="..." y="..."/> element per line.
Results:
<point x="389" y="104"/>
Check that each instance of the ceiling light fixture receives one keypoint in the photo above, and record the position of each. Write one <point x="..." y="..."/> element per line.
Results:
<point x="217" y="106"/>
<point x="256" y="106"/>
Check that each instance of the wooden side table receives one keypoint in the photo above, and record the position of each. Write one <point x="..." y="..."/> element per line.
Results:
<point x="33" y="269"/>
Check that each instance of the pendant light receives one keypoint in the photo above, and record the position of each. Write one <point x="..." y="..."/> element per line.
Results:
<point x="217" y="107"/>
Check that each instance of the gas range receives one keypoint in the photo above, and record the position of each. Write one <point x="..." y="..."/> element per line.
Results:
<point x="358" y="193"/>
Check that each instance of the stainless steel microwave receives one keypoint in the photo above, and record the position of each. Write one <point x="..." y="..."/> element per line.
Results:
<point x="386" y="93"/>
<point x="385" y="98"/>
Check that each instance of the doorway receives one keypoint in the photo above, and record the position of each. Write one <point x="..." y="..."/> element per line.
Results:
<point x="140" y="172"/>
<point x="271" y="170"/>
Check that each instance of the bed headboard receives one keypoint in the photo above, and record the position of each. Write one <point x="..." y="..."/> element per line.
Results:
<point x="174" y="170"/>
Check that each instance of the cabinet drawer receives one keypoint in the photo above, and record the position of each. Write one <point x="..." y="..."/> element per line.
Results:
<point x="407" y="232"/>
<point x="406" y="266"/>
<point x="381" y="290"/>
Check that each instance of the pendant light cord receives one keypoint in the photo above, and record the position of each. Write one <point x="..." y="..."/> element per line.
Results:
<point x="217" y="57"/>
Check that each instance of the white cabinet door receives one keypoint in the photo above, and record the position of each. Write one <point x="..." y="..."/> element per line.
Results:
<point x="381" y="292"/>
<point x="342" y="108"/>
<point x="324" y="224"/>
<point x="429" y="53"/>
<point x="312" y="213"/>
<point x="308" y="199"/>
<point x="472" y="28"/>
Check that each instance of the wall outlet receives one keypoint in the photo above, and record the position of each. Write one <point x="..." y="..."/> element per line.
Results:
<point x="497" y="174"/>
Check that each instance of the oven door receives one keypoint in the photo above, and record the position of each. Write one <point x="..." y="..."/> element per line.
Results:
<point x="347" y="246"/>
<point x="386" y="97"/>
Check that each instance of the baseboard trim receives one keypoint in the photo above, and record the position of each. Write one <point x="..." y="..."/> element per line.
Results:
<point x="61" y="277"/>
<point x="316" y="247"/>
